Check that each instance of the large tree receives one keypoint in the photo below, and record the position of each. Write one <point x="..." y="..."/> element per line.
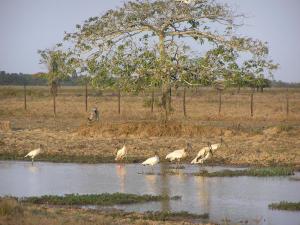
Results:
<point x="161" y="25"/>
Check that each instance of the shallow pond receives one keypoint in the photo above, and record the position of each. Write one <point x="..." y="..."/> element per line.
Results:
<point x="238" y="199"/>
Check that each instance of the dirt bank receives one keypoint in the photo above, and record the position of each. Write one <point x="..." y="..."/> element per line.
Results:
<point x="278" y="145"/>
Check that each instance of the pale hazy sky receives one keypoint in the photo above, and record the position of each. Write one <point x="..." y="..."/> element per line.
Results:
<point x="29" y="25"/>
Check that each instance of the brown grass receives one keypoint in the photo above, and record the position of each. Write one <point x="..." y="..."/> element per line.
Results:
<point x="5" y="126"/>
<point x="48" y="215"/>
<point x="266" y="139"/>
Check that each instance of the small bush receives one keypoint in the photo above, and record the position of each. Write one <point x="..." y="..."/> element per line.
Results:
<point x="10" y="207"/>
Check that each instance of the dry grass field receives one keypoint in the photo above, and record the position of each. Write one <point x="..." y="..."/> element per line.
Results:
<point x="270" y="137"/>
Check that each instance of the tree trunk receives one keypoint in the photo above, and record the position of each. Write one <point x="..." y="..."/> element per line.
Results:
<point x="287" y="102"/>
<point x="166" y="101"/>
<point x="220" y="101"/>
<point x="184" y="108"/>
<point x="251" y="103"/>
<point x="261" y="89"/>
<point x="239" y="89"/>
<point x="119" y="101"/>
<point x="152" y="100"/>
<point x="25" y="97"/>
<point x="54" y="105"/>
<point x="86" y="97"/>
<point x="164" y="77"/>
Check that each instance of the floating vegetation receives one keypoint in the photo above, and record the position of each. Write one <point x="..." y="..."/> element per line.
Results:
<point x="294" y="178"/>
<point x="255" y="172"/>
<point x="176" y="167"/>
<point x="167" y="216"/>
<point x="292" y="206"/>
<point x="104" y="199"/>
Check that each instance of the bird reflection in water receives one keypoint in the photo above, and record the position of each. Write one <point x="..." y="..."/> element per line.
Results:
<point x="165" y="188"/>
<point x="202" y="193"/>
<point x="33" y="168"/>
<point x="151" y="180"/>
<point x="121" y="173"/>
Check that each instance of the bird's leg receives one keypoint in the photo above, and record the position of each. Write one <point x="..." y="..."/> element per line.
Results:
<point x="152" y="169"/>
<point x="32" y="161"/>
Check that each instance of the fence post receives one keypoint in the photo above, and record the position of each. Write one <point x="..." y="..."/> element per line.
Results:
<point x="220" y="101"/>
<point x="287" y="102"/>
<point x="251" y="102"/>
<point x="152" y="100"/>
<point x="25" y="97"/>
<point x="86" y="97"/>
<point x="119" y="100"/>
<point x="184" y="108"/>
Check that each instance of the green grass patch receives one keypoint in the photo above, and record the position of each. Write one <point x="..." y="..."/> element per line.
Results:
<point x="291" y="206"/>
<point x="174" y="216"/>
<point x="104" y="199"/>
<point x="91" y="159"/>
<point x="254" y="172"/>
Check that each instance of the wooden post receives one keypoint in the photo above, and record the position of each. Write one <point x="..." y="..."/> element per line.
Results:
<point x="119" y="101"/>
<point x="86" y="97"/>
<point x="220" y="101"/>
<point x="251" y="103"/>
<point x="170" y="99"/>
<point x="25" y="97"/>
<point x="54" y="105"/>
<point x="184" y="108"/>
<point x="53" y="91"/>
<point x="152" y="100"/>
<point x="287" y="102"/>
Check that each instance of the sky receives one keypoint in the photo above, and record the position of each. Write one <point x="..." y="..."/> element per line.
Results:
<point x="29" y="25"/>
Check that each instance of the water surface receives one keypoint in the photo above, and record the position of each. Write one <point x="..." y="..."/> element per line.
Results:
<point x="240" y="199"/>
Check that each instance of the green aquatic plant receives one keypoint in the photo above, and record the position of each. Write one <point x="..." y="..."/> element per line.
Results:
<point x="255" y="172"/>
<point x="167" y="215"/>
<point x="284" y="205"/>
<point x="104" y="199"/>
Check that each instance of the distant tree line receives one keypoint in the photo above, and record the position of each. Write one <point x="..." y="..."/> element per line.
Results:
<point x="32" y="80"/>
<point x="280" y="83"/>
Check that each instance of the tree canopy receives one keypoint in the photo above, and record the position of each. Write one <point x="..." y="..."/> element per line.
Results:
<point x="152" y="42"/>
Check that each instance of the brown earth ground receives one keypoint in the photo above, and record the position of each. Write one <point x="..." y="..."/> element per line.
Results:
<point x="270" y="137"/>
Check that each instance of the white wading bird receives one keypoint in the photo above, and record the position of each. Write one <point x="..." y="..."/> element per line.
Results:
<point x="121" y="153"/>
<point x="179" y="154"/>
<point x="151" y="161"/>
<point x="206" y="152"/>
<point x="34" y="153"/>
<point x="201" y="154"/>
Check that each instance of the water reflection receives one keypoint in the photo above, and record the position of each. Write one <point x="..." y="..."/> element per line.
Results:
<point x="32" y="168"/>
<point x="202" y="193"/>
<point x="121" y="173"/>
<point x="165" y="189"/>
